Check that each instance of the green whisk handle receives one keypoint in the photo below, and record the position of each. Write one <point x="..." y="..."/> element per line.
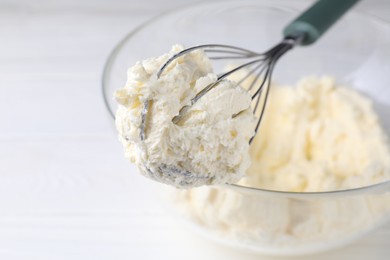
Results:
<point x="317" y="19"/>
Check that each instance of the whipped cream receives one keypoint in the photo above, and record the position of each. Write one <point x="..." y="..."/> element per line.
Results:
<point x="209" y="145"/>
<point x="318" y="136"/>
<point x="314" y="137"/>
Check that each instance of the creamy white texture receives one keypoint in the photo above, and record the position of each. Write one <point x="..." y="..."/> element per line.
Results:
<point x="314" y="137"/>
<point x="318" y="137"/>
<point x="210" y="145"/>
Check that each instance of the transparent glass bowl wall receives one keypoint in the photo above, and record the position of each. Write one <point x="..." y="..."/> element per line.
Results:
<point x="278" y="223"/>
<point x="355" y="51"/>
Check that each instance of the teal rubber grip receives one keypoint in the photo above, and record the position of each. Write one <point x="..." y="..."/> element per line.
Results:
<point x="316" y="20"/>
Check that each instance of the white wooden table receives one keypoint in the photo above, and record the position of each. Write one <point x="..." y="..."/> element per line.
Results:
<point x="66" y="192"/>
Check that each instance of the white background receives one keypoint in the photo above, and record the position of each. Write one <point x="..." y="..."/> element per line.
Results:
<point x="66" y="192"/>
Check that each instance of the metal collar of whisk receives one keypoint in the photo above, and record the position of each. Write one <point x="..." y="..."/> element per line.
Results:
<point x="259" y="64"/>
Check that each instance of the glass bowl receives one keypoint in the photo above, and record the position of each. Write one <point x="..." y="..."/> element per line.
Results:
<point x="355" y="51"/>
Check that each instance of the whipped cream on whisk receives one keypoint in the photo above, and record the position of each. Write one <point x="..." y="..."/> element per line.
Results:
<point x="209" y="145"/>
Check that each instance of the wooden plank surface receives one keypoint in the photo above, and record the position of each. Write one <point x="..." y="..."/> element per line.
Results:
<point x="65" y="190"/>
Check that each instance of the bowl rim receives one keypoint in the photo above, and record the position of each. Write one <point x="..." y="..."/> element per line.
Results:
<point x="374" y="188"/>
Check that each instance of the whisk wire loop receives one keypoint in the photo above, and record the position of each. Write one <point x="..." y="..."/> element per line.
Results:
<point x="259" y="70"/>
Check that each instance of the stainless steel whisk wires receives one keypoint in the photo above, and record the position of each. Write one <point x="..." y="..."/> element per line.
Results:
<point x="304" y="30"/>
<point x="258" y="65"/>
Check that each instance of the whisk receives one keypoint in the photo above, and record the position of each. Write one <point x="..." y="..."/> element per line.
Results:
<point x="304" y="30"/>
